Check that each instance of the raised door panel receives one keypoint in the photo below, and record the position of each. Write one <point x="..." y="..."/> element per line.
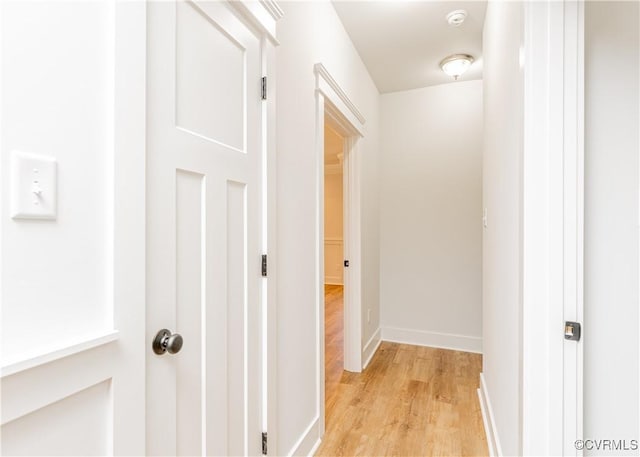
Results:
<point x="210" y="102"/>
<point x="190" y="310"/>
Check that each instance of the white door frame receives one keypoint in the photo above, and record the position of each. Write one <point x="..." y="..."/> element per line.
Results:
<point x="264" y="15"/>
<point x="552" y="231"/>
<point x="332" y="101"/>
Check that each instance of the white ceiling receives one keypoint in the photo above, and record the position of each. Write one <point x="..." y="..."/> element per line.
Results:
<point x="403" y="42"/>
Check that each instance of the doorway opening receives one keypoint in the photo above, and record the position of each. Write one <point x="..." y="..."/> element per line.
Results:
<point x="333" y="263"/>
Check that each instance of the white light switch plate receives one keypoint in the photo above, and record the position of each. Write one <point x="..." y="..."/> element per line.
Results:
<point x="34" y="186"/>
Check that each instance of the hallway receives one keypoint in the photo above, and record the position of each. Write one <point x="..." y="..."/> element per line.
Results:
<point x="212" y="207"/>
<point x="410" y="400"/>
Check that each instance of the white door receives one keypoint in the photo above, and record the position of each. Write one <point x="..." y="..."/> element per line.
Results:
<point x="204" y="219"/>
<point x="72" y="294"/>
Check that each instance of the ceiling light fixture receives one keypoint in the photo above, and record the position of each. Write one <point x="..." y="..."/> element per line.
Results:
<point x="456" y="64"/>
<point x="456" y="18"/>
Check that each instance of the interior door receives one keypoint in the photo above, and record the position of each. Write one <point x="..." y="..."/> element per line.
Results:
<point x="204" y="219"/>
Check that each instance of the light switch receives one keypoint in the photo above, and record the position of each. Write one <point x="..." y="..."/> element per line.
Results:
<point x="34" y="186"/>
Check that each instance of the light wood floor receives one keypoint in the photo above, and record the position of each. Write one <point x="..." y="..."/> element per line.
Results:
<point x="410" y="401"/>
<point x="333" y="342"/>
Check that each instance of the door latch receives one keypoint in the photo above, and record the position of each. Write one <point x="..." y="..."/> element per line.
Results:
<point x="572" y="331"/>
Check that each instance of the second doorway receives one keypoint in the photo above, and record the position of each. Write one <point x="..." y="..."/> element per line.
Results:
<point x="333" y="262"/>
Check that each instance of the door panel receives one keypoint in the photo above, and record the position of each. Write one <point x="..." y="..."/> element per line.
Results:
<point x="204" y="182"/>
<point x="189" y="308"/>
<point x="200" y="41"/>
<point x="236" y="313"/>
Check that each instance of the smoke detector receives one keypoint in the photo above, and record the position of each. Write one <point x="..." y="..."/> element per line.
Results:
<point x="456" y="18"/>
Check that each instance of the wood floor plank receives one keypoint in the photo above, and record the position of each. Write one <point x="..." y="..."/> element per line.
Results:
<point x="410" y="401"/>
<point x="333" y="342"/>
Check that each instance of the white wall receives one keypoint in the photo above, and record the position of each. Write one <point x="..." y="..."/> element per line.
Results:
<point x="311" y="32"/>
<point x="72" y="88"/>
<point x="612" y="96"/>
<point x="431" y="215"/>
<point x="502" y="157"/>
<point x="56" y="101"/>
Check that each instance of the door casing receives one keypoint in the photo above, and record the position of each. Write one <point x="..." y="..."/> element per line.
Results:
<point x="553" y="226"/>
<point x="332" y="102"/>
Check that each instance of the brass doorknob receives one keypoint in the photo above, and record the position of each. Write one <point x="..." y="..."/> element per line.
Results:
<point x="165" y="341"/>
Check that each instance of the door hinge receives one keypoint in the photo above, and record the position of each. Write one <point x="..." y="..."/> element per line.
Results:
<point x="264" y="265"/>
<point x="346" y="263"/>
<point x="572" y="331"/>
<point x="264" y="443"/>
<point x="264" y="87"/>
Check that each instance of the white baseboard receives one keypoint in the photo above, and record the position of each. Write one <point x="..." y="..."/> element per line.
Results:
<point x="315" y="448"/>
<point x="495" y="450"/>
<point x="432" y="339"/>
<point x="371" y="347"/>
<point x="308" y="443"/>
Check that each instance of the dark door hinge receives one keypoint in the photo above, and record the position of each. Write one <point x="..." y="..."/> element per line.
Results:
<point x="264" y="265"/>
<point x="264" y="443"/>
<point x="264" y="87"/>
<point x="346" y="263"/>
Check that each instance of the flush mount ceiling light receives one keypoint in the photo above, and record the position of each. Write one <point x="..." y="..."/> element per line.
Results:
<point x="456" y="64"/>
<point x="456" y="18"/>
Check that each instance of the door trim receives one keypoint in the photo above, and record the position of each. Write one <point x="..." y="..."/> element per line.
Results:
<point x="130" y="219"/>
<point x="270" y="307"/>
<point x="552" y="227"/>
<point x="264" y="16"/>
